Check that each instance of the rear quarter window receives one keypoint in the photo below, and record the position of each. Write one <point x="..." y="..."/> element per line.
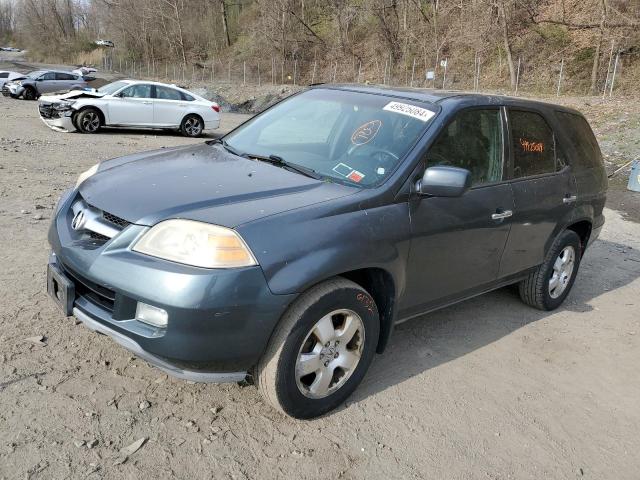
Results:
<point x="586" y="152"/>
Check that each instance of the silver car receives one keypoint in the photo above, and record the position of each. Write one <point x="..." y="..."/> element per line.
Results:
<point x="40" y="82"/>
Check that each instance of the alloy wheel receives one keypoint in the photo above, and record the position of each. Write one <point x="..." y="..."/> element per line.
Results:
<point x="193" y="127"/>
<point x="90" y="122"/>
<point x="562" y="271"/>
<point x="330" y="353"/>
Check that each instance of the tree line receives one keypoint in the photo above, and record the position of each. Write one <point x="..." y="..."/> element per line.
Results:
<point x="495" y="35"/>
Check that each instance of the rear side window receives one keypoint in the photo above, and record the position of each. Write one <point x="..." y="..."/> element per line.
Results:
<point x="65" y="76"/>
<point x="533" y="144"/>
<point x="186" y="97"/>
<point x="582" y="139"/>
<point x="165" y="93"/>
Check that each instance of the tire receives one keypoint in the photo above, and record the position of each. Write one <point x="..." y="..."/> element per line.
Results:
<point x="87" y="120"/>
<point x="548" y="286"/>
<point x="29" y="93"/>
<point x="335" y="369"/>
<point x="192" y="126"/>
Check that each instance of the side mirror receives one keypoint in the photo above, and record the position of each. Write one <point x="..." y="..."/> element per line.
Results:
<point x="444" y="182"/>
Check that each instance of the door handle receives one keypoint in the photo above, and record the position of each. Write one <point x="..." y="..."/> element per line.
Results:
<point x="569" y="199"/>
<point x="501" y="215"/>
<point x="147" y="103"/>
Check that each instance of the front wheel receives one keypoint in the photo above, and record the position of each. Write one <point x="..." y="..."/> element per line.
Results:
<point x="549" y="284"/>
<point x="87" y="121"/>
<point x="321" y="349"/>
<point x="192" y="126"/>
<point x="29" y="94"/>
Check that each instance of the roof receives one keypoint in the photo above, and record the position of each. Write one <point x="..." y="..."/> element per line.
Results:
<point x="436" y="96"/>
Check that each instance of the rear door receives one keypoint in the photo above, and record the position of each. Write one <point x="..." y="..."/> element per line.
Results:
<point x="47" y="83"/>
<point x="544" y="189"/>
<point x="168" y="107"/>
<point x="133" y="107"/>
<point x="457" y="243"/>
<point x="65" y="80"/>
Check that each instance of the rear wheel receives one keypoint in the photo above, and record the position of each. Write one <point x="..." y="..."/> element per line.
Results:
<point x="321" y="349"/>
<point x="548" y="286"/>
<point x="29" y="93"/>
<point x="88" y="121"/>
<point x="192" y="126"/>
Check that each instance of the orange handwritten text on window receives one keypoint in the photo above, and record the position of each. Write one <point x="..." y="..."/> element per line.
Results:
<point x="527" y="146"/>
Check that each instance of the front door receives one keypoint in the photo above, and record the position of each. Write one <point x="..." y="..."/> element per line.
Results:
<point x="544" y="190"/>
<point x="457" y="242"/>
<point x="47" y="83"/>
<point x="134" y="106"/>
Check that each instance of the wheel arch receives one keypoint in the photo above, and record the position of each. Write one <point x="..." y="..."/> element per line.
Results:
<point x="103" y="118"/>
<point x="583" y="229"/>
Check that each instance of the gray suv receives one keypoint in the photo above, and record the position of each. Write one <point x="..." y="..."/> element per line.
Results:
<point x="40" y="82"/>
<point x="286" y="251"/>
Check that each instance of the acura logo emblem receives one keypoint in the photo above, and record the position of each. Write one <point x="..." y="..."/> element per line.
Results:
<point x="78" y="220"/>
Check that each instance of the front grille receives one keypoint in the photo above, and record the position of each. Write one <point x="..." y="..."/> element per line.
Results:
<point x="47" y="111"/>
<point x="5" y="91"/>
<point x="98" y="236"/>
<point x="91" y="291"/>
<point x="121" y="222"/>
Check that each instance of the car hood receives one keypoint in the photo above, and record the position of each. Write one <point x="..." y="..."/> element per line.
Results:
<point x="71" y="95"/>
<point x="201" y="182"/>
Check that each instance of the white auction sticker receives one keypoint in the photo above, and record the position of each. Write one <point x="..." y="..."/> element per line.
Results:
<point x="410" y="110"/>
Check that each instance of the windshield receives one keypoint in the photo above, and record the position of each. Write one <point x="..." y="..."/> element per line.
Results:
<point x="351" y="137"/>
<point x="110" y="88"/>
<point x="35" y="74"/>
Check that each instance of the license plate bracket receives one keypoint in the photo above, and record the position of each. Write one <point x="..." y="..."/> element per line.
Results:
<point x="61" y="289"/>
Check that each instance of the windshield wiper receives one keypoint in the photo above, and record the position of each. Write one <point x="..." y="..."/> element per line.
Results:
<point x="281" y="162"/>
<point x="227" y="147"/>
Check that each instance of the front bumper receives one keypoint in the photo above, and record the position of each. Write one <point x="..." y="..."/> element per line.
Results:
<point x="220" y="321"/>
<point x="61" y="123"/>
<point x="11" y="89"/>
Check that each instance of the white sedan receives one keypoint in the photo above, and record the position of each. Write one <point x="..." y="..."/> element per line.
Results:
<point x="133" y="104"/>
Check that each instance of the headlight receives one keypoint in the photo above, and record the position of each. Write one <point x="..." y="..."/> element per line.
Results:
<point x="64" y="105"/>
<point x="84" y="175"/>
<point x="196" y="243"/>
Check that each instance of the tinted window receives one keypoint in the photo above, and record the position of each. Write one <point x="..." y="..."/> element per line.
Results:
<point x="165" y="93"/>
<point x="137" y="91"/>
<point x="65" y="76"/>
<point x="534" y="151"/>
<point x="48" y="76"/>
<point x="473" y="140"/>
<point x="4" y="74"/>
<point x="582" y="139"/>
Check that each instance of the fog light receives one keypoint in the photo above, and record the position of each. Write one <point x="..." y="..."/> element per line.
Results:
<point x="151" y="315"/>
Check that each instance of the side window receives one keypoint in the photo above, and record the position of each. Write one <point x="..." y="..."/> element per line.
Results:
<point x="137" y="91"/>
<point x="533" y="142"/>
<point x="4" y="74"/>
<point x="65" y="76"/>
<point x="165" y="93"/>
<point x="582" y="139"/>
<point x="473" y="140"/>
<point x="48" y="76"/>
<point x="186" y="97"/>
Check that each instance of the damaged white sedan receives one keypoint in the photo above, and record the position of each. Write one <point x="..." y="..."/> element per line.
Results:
<point x="130" y="104"/>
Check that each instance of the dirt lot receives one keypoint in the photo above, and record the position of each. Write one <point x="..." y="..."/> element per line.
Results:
<point x="488" y="389"/>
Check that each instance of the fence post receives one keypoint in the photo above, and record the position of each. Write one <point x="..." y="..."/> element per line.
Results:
<point x="359" y="71"/>
<point x="384" y="75"/>
<point x="282" y="72"/>
<point x="413" y="70"/>
<point x="613" y="77"/>
<point x="295" y="70"/>
<point x="606" y="80"/>
<point x="518" y="76"/>
<point x="313" y="75"/>
<point x="444" y="75"/>
<point x="560" y="78"/>
<point x="244" y="73"/>
<point x="229" y="71"/>
<point x="259" y="79"/>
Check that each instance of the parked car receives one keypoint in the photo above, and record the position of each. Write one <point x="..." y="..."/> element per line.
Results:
<point x="288" y="249"/>
<point x="104" y="43"/>
<point x="130" y="103"/>
<point x="6" y="76"/>
<point x="83" y="71"/>
<point x="39" y="82"/>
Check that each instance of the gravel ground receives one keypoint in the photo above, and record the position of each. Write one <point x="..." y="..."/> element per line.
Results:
<point x="487" y="389"/>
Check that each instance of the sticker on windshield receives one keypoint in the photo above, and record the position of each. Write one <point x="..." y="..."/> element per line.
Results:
<point x="356" y="176"/>
<point x="409" y="110"/>
<point x="365" y="133"/>
<point x="342" y="169"/>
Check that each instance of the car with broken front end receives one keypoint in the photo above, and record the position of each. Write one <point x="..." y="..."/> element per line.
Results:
<point x="286" y="251"/>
